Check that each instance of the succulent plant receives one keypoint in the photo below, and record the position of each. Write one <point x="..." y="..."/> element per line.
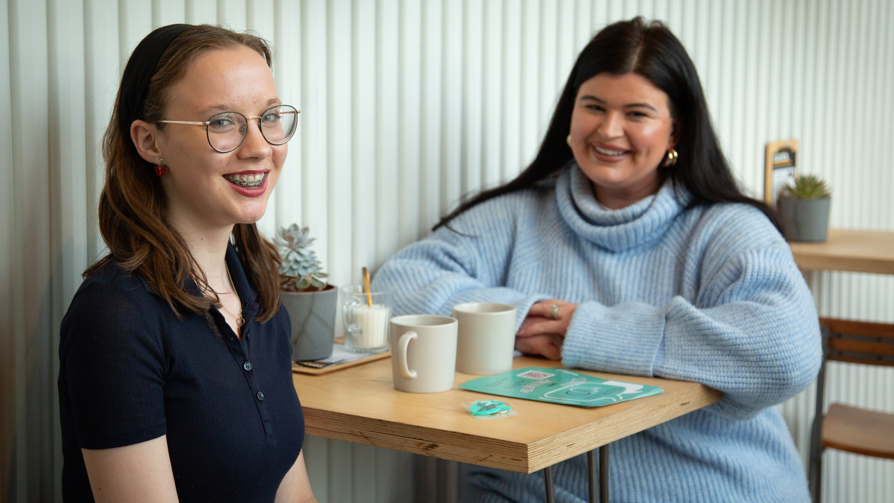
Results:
<point x="806" y="187"/>
<point x="299" y="262"/>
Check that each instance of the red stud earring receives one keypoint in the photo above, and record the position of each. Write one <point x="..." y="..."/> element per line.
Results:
<point x="160" y="168"/>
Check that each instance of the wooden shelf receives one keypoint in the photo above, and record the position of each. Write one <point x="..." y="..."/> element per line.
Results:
<point x="848" y="250"/>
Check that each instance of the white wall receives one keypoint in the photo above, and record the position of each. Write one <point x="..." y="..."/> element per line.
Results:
<point x="407" y="105"/>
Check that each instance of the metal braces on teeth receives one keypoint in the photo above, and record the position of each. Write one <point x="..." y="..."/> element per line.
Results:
<point x="245" y="184"/>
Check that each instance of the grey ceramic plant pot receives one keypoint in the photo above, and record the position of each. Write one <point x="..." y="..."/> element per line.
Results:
<point x="805" y="219"/>
<point x="313" y="322"/>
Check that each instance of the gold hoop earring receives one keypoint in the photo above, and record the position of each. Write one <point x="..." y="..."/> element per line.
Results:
<point x="671" y="158"/>
<point x="568" y="140"/>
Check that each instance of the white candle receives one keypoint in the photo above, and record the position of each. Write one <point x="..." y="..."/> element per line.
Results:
<point x="373" y="323"/>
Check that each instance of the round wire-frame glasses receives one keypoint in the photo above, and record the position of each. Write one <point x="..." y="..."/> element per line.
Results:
<point x="226" y="131"/>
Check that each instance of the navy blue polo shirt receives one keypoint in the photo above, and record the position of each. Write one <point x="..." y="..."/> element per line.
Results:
<point x="131" y="371"/>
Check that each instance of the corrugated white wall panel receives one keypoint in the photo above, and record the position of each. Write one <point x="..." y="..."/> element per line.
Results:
<point x="9" y="401"/>
<point x="407" y="106"/>
<point x="68" y="183"/>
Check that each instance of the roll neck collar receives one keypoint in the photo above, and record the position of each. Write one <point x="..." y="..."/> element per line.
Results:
<point x="617" y="230"/>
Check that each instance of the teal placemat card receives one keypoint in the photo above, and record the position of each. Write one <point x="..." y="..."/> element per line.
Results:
<point x="559" y="385"/>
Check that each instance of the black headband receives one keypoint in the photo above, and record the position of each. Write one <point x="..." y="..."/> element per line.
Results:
<point x="139" y="71"/>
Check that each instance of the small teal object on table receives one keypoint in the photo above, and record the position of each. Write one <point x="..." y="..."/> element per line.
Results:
<point x="488" y="408"/>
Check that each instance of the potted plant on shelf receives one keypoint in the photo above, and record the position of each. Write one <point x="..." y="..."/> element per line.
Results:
<point x="804" y="209"/>
<point x="307" y="297"/>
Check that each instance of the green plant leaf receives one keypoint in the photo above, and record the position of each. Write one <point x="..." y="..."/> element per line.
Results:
<point x="806" y="187"/>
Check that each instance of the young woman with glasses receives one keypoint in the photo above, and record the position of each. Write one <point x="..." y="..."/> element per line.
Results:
<point x="175" y="380"/>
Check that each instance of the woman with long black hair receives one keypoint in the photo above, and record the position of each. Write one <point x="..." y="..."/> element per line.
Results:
<point x="628" y="247"/>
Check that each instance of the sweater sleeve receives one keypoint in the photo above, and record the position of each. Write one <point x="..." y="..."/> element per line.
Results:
<point x="465" y="263"/>
<point x="752" y="333"/>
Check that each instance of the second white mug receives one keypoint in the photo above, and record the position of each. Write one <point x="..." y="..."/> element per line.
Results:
<point x="486" y="337"/>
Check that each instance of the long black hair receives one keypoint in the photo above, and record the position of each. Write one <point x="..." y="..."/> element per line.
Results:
<point x="651" y="51"/>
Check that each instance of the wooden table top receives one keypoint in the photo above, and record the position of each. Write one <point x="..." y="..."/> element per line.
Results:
<point x="848" y="250"/>
<point x="360" y="405"/>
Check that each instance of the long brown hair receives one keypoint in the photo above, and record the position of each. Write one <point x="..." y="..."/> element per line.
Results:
<point x="133" y="214"/>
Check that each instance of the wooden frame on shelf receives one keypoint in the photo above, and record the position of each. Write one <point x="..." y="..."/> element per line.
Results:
<point x="780" y="165"/>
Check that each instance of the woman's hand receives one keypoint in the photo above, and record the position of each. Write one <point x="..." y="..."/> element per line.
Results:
<point x="544" y="328"/>
<point x="548" y="346"/>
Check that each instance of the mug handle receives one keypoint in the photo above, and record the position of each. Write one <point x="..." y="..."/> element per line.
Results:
<point x="402" y="355"/>
<point x="348" y="316"/>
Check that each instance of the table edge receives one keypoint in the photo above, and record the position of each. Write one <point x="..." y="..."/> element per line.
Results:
<point x="507" y="455"/>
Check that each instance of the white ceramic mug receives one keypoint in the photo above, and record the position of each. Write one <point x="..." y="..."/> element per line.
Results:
<point x="486" y="337"/>
<point x="423" y="353"/>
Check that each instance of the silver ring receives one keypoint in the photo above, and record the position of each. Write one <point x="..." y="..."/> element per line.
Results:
<point x="555" y="311"/>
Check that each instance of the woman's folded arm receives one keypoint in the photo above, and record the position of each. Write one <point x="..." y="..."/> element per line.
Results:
<point x="753" y="334"/>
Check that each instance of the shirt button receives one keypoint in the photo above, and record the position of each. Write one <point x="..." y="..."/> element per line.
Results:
<point x="246" y="366"/>
<point x="260" y="396"/>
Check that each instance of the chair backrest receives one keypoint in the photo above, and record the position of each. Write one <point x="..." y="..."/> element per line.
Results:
<point x="858" y="341"/>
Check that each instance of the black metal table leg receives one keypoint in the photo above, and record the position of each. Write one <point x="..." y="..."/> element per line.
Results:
<point x="548" y="480"/>
<point x="603" y="474"/>
<point x="591" y="474"/>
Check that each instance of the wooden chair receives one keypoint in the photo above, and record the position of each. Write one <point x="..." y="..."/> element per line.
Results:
<point x="844" y="427"/>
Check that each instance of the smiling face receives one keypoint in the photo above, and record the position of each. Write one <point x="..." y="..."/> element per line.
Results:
<point x="205" y="189"/>
<point x="621" y="129"/>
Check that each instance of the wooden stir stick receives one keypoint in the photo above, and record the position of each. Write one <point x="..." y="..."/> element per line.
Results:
<point x="369" y="298"/>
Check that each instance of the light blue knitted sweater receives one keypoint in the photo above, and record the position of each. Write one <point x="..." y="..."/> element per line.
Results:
<point x="709" y="294"/>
